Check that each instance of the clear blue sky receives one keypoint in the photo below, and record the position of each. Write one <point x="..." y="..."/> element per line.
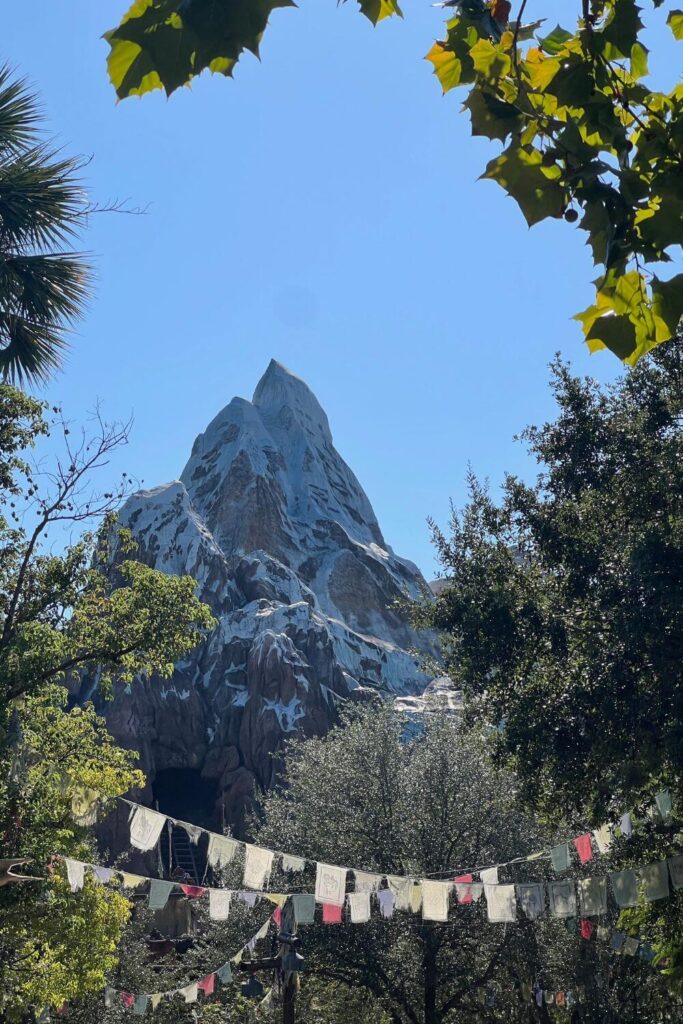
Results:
<point x="322" y="208"/>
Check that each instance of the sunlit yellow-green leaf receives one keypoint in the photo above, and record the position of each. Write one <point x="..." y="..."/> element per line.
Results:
<point x="520" y="172"/>
<point x="639" y="66"/>
<point x="447" y="67"/>
<point x="617" y="333"/>
<point x="166" y="43"/>
<point x="675" y="23"/>
<point x="489" y="60"/>
<point x="540" y="70"/>
<point x="378" y="10"/>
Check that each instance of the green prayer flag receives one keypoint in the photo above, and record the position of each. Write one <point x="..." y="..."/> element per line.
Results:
<point x="559" y="856"/>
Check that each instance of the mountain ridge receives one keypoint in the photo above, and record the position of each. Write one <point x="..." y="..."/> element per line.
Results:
<point x="287" y="550"/>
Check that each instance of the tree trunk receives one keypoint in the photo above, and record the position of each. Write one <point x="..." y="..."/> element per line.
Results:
<point x="431" y="977"/>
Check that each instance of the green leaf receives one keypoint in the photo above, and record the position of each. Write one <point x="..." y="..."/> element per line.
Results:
<point x="447" y="67"/>
<point x="667" y="302"/>
<point x="573" y="85"/>
<point x="675" y="23"/>
<point x="535" y="188"/>
<point x="639" y="66"/>
<point x="617" y="333"/>
<point x="489" y="60"/>
<point x="378" y="10"/>
<point x="540" y="72"/>
<point x="555" y="41"/>
<point x="526" y="32"/>
<point x="451" y="57"/>
<point x="660" y="224"/>
<point x="490" y="116"/>
<point x="166" y="43"/>
<point x="622" y="28"/>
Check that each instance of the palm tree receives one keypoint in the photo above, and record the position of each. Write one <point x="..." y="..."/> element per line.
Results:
<point x="43" y="283"/>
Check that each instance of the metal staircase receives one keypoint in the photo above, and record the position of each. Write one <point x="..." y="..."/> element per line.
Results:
<point x="179" y="856"/>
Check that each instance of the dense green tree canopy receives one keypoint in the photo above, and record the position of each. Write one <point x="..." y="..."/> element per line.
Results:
<point x="368" y="795"/>
<point x="59" y="614"/>
<point x="563" y="609"/>
<point x="582" y="135"/>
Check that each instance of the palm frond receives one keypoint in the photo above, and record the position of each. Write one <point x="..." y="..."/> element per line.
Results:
<point x="20" y="115"/>
<point x="43" y="284"/>
<point x="42" y="201"/>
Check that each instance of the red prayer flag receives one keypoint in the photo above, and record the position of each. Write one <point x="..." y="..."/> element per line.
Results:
<point x="586" y="928"/>
<point x="466" y="879"/>
<point x="207" y="984"/>
<point x="584" y="848"/>
<point x="332" y="914"/>
<point x="277" y="916"/>
<point x="193" y="891"/>
<point x="127" y="999"/>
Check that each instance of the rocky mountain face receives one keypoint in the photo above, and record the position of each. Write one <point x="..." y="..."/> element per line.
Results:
<point x="287" y="551"/>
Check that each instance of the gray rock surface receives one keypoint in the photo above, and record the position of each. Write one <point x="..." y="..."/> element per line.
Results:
<point x="286" y="549"/>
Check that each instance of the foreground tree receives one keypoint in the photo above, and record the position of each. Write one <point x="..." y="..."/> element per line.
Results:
<point x="562" y="610"/>
<point x="584" y="136"/>
<point x="369" y="796"/>
<point x="563" y="616"/>
<point x="60" y="614"/>
<point x="43" y="282"/>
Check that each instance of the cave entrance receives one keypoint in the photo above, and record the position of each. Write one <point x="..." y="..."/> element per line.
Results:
<point x="183" y="794"/>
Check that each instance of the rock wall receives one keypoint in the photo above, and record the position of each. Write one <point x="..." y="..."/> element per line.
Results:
<point x="287" y="551"/>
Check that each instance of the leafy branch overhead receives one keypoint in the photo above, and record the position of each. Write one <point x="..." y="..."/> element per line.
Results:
<point x="163" y="44"/>
<point x="586" y="140"/>
<point x="583" y="137"/>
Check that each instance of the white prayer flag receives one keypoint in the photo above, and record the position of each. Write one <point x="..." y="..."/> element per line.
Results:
<point x="257" y="865"/>
<point x="402" y="889"/>
<point x="366" y="881"/>
<point x="562" y="899"/>
<point x="330" y="884"/>
<point x="189" y="993"/>
<point x="531" y="896"/>
<point x="489" y="876"/>
<point x="155" y="999"/>
<point x="75" y="872"/>
<point x="500" y="903"/>
<point x="290" y="863"/>
<point x="603" y="838"/>
<point x="655" y="878"/>
<point x="359" y="905"/>
<point x="593" y="896"/>
<point x="260" y="934"/>
<point x="435" y="900"/>
<point x="625" y="886"/>
<point x="145" y="828"/>
<point x="219" y="904"/>
<point x="221" y="851"/>
<point x="194" y="832"/>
